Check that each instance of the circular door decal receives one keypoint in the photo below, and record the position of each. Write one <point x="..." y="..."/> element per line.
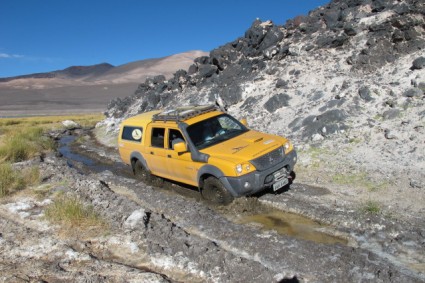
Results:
<point x="136" y="134"/>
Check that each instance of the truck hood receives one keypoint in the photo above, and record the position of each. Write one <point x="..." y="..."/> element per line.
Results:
<point x="245" y="147"/>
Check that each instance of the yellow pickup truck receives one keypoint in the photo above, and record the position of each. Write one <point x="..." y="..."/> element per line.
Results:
<point x="204" y="147"/>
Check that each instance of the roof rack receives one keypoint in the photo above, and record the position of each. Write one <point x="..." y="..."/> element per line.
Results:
<point x="183" y="113"/>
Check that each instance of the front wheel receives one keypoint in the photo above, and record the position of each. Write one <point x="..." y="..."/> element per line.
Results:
<point x="214" y="192"/>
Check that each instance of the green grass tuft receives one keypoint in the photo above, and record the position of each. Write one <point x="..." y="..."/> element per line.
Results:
<point x="10" y="181"/>
<point x="69" y="210"/>
<point x="24" y="144"/>
<point x="371" y="207"/>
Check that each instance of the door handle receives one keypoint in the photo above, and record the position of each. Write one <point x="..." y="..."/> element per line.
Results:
<point x="169" y="156"/>
<point x="152" y="153"/>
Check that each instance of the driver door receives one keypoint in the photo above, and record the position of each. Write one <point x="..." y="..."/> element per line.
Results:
<point x="180" y="166"/>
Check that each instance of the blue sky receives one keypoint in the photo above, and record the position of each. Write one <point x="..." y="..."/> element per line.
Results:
<point x="46" y="35"/>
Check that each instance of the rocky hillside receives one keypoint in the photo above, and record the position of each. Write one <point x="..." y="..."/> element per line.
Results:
<point x="346" y="83"/>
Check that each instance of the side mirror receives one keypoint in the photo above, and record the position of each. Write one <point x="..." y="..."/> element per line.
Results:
<point x="244" y="122"/>
<point x="180" y="147"/>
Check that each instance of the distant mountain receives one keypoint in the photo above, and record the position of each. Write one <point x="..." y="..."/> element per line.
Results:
<point x="72" y="72"/>
<point x="83" y="88"/>
<point x="107" y="73"/>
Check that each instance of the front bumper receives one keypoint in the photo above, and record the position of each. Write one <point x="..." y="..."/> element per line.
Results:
<point x="259" y="180"/>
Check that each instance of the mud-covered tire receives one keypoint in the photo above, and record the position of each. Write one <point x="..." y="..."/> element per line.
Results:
<point x="213" y="191"/>
<point x="140" y="171"/>
<point x="142" y="174"/>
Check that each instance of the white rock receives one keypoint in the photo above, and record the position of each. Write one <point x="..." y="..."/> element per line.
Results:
<point x="317" y="137"/>
<point x="69" y="124"/>
<point x="135" y="219"/>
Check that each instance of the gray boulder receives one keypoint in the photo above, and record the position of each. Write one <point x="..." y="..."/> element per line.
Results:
<point x="332" y="121"/>
<point x="365" y="94"/>
<point x="418" y="63"/>
<point x="413" y="92"/>
<point x="207" y="71"/>
<point x="277" y="101"/>
<point x="391" y="114"/>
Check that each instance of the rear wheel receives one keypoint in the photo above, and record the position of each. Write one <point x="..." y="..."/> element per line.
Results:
<point x="140" y="171"/>
<point x="142" y="174"/>
<point x="214" y="192"/>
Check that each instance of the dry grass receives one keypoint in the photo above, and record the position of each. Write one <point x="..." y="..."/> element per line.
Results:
<point x="50" y="122"/>
<point x="12" y="180"/>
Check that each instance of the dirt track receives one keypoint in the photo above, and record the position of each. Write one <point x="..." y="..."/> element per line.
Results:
<point x="167" y="234"/>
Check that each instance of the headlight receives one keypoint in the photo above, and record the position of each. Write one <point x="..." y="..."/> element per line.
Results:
<point x="287" y="147"/>
<point x="241" y="168"/>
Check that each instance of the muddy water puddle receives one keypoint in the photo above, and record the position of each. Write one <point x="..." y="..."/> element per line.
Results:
<point x="251" y="211"/>
<point x="85" y="164"/>
<point x="292" y="225"/>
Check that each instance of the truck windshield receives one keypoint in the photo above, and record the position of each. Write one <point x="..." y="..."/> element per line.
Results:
<point x="215" y="130"/>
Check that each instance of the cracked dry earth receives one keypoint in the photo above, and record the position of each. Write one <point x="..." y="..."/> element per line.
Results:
<point x="164" y="233"/>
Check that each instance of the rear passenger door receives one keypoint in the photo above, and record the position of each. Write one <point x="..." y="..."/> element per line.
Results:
<point x="156" y="152"/>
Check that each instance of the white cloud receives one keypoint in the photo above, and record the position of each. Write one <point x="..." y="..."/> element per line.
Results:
<point x="10" y="56"/>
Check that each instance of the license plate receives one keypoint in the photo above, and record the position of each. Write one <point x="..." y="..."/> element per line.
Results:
<point x="280" y="173"/>
<point x="279" y="184"/>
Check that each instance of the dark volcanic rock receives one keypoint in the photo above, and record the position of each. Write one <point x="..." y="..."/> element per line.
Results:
<point x="418" y="63"/>
<point x="391" y="114"/>
<point x="250" y="102"/>
<point x="332" y="41"/>
<point x="325" y="124"/>
<point x="332" y="17"/>
<point x="413" y="92"/>
<point x="207" y="71"/>
<point x="365" y="94"/>
<point x="276" y="102"/>
<point x="192" y="69"/>
<point x="255" y="34"/>
<point x="281" y="83"/>
<point x="231" y="94"/>
<point x="272" y="37"/>
<point x="223" y="56"/>
<point x="159" y="79"/>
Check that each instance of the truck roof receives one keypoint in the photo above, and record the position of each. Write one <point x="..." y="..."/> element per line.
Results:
<point x="183" y="113"/>
<point x="143" y="118"/>
<point x="189" y="114"/>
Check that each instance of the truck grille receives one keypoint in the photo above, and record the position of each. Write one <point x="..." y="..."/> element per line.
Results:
<point x="269" y="159"/>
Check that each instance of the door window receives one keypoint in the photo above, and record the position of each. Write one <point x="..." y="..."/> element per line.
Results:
<point x="158" y="137"/>
<point x="174" y="136"/>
